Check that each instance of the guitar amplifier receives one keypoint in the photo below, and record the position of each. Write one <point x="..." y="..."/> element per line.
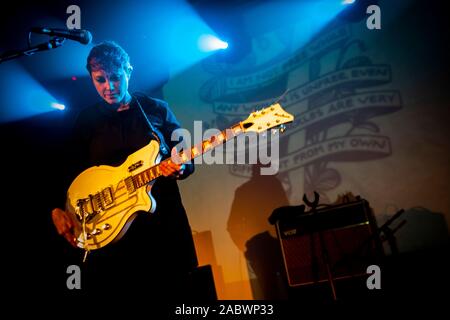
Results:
<point x="348" y="235"/>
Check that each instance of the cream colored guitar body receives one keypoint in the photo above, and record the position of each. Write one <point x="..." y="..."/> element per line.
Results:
<point x="104" y="199"/>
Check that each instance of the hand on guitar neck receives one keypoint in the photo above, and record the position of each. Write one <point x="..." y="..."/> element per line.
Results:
<point x="171" y="169"/>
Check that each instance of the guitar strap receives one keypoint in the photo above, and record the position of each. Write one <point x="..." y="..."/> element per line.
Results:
<point x="155" y="132"/>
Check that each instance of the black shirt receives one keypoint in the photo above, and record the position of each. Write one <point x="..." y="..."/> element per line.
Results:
<point x="157" y="248"/>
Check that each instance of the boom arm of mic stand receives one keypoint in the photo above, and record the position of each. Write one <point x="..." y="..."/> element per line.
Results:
<point x="51" y="44"/>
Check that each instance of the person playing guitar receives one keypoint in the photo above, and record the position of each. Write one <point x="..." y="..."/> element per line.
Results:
<point x="129" y="165"/>
<point x="158" y="250"/>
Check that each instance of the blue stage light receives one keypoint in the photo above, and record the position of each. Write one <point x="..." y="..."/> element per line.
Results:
<point x="58" y="106"/>
<point x="210" y="43"/>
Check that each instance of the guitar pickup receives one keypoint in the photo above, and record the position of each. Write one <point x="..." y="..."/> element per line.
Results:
<point x="106" y="197"/>
<point x="129" y="183"/>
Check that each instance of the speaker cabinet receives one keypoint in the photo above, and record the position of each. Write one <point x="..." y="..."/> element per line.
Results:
<point x="346" y="234"/>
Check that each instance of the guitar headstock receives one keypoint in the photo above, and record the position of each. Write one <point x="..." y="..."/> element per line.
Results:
<point x="267" y="118"/>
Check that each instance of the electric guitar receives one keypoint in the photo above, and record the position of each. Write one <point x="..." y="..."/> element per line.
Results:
<point x="104" y="200"/>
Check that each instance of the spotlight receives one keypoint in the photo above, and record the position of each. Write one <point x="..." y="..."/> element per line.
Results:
<point x="58" y="106"/>
<point x="209" y="43"/>
<point x="345" y="2"/>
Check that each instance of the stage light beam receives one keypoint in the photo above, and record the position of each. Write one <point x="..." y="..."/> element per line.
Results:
<point x="58" y="106"/>
<point x="210" y="43"/>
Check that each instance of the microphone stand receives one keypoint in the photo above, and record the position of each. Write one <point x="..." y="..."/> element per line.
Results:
<point x="51" y="44"/>
<point x="325" y="255"/>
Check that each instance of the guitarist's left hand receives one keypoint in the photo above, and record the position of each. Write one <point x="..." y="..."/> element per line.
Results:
<point x="171" y="169"/>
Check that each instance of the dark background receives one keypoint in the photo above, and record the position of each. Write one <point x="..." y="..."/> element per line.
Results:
<point x="32" y="148"/>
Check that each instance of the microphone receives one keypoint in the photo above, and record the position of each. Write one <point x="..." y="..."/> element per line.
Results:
<point x="82" y="36"/>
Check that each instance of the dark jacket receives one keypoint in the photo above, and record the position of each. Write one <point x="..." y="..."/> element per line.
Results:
<point x="157" y="250"/>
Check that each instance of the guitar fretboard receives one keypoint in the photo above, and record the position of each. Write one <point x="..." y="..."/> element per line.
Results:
<point x="145" y="177"/>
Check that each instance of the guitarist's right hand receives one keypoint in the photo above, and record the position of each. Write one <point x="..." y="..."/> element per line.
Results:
<point x="64" y="225"/>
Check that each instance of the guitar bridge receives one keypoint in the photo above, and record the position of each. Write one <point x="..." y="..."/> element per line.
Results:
<point x="84" y="210"/>
<point x="96" y="203"/>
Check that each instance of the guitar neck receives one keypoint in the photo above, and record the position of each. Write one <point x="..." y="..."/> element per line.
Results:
<point x="258" y="121"/>
<point x="143" y="178"/>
